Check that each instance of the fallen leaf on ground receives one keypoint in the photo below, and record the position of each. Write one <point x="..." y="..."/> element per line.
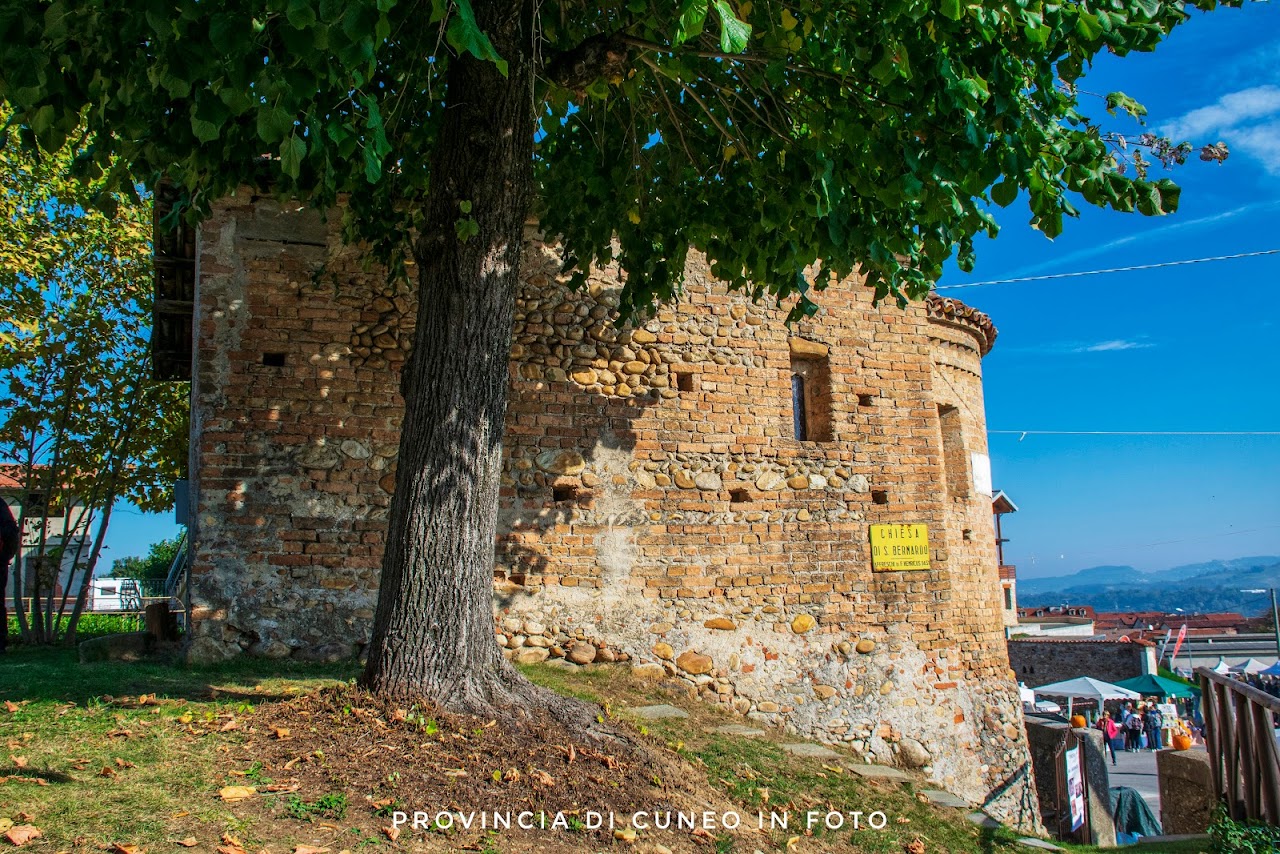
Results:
<point x="625" y="834"/>
<point x="915" y="846"/>
<point x="107" y="771"/>
<point x="228" y="726"/>
<point x="458" y="772"/>
<point x="10" y="706"/>
<point x="542" y="778"/>
<point x="308" y="849"/>
<point x="392" y="832"/>
<point x="18" y="761"/>
<point x="121" y="848"/>
<point x="120" y="733"/>
<point x="231" y="794"/>
<point x="280" y="732"/>
<point x="231" y="845"/>
<point x="124" y="763"/>
<point x="189" y="842"/>
<point x="22" y="834"/>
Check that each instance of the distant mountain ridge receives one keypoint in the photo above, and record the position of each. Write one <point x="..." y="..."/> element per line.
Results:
<point x="1215" y="585"/>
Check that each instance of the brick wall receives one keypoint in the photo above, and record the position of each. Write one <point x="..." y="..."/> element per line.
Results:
<point x="654" y="498"/>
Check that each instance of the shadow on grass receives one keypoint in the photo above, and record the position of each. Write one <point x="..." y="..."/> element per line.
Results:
<point x="33" y="775"/>
<point x="56" y="674"/>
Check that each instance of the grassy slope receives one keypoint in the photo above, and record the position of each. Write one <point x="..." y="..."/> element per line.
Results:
<point x="165" y="761"/>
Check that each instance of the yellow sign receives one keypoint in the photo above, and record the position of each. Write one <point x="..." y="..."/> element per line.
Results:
<point x="899" y="547"/>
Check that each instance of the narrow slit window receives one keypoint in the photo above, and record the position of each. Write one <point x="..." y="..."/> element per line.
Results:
<point x="799" y="418"/>
<point x="273" y="360"/>
<point x="811" y="399"/>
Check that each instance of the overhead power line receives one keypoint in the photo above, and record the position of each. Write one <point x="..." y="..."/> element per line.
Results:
<point x="1137" y="432"/>
<point x="1022" y="434"/>
<point x="1131" y="269"/>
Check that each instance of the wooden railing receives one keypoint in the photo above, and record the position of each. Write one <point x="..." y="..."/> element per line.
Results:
<point x="1240" y="735"/>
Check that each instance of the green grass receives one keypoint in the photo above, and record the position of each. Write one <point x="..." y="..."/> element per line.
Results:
<point x="73" y="721"/>
<point x="118" y="771"/>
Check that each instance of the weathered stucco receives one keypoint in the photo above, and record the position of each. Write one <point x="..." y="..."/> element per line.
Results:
<point x="657" y="508"/>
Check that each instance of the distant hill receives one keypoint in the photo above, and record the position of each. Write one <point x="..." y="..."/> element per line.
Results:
<point x="1212" y="586"/>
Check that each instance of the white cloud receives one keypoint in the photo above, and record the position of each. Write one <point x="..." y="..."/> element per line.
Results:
<point x="1108" y="346"/>
<point x="1070" y="348"/>
<point x="1247" y="120"/>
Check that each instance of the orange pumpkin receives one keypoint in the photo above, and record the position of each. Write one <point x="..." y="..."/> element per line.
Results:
<point x="1079" y="722"/>
<point x="1181" y="742"/>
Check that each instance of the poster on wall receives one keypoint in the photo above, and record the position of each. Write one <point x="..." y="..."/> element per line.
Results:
<point x="896" y="548"/>
<point x="1075" y="787"/>
<point x="981" y="466"/>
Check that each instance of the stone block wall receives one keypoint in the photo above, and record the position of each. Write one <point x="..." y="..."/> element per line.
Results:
<point x="1187" y="796"/>
<point x="656" y="503"/>
<point x="1043" y="662"/>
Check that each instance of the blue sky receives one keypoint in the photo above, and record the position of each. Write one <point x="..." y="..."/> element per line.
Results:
<point x="1189" y="348"/>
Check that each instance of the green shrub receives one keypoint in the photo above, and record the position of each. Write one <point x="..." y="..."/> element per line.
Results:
<point x="1227" y="836"/>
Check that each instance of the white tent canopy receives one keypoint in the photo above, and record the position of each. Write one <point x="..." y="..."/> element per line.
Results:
<point x="1249" y="665"/>
<point x="1087" y="688"/>
<point x="1221" y="666"/>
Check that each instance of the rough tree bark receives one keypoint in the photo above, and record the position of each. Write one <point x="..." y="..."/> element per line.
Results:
<point x="433" y="632"/>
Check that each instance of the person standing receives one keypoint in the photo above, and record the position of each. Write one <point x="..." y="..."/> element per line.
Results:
<point x="1132" y="729"/>
<point x="1154" y="722"/>
<point x="1109" y="731"/>
<point x="10" y="537"/>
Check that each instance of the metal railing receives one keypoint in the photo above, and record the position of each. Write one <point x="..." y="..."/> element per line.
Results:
<point x="1240" y="736"/>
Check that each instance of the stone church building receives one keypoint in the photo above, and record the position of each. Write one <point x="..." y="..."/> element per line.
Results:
<point x="797" y="522"/>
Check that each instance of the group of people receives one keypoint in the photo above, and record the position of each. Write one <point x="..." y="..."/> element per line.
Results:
<point x="1132" y="722"/>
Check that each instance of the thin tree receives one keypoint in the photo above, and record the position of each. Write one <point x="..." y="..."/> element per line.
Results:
<point x="788" y="142"/>
<point x="80" y="421"/>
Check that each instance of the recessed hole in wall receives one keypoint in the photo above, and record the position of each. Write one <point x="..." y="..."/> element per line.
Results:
<point x="564" y="493"/>
<point x="684" y="381"/>
<point x="879" y="496"/>
<point x="967" y="533"/>
<point x="273" y="360"/>
<point x="737" y="496"/>
<point x="866" y="399"/>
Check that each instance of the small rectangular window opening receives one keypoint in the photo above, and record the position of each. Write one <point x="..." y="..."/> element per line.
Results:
<point x="273" y="360"/>
<point x="811" y="400"/>
<point x="564" y="493"/>
<point x="799" y="416"/>
<point x="879" y="496"/>
<point x="738" y="496"/>
<point x="866" y="399"/>
<point x="684" y="381"/>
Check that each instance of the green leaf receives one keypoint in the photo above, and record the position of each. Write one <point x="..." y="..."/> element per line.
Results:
<point x="1004" y="193"/>
<point x="274" y="123"/>
<point x="953" y="9"/>
<point x="291" y="153"/>
<point x="734" y="34"/>
<point x="372" y="165"/>
<point x="465" y="36"/>
<point x="693" y="14"/>
<point x="300" y="13"/>
<point x="1088" y="25"/>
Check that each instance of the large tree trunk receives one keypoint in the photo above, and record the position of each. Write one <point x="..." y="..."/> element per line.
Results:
<point x="433" y="633"/>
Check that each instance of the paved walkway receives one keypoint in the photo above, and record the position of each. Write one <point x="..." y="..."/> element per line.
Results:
<point x="1138" y="770"/>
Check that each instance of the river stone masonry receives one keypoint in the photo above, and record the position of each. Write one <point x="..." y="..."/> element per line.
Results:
<point x="659" y="508"/>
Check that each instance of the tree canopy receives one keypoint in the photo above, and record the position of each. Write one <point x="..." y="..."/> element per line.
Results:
<point x="772" y="136"/>
<point x="789" y="142"/>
